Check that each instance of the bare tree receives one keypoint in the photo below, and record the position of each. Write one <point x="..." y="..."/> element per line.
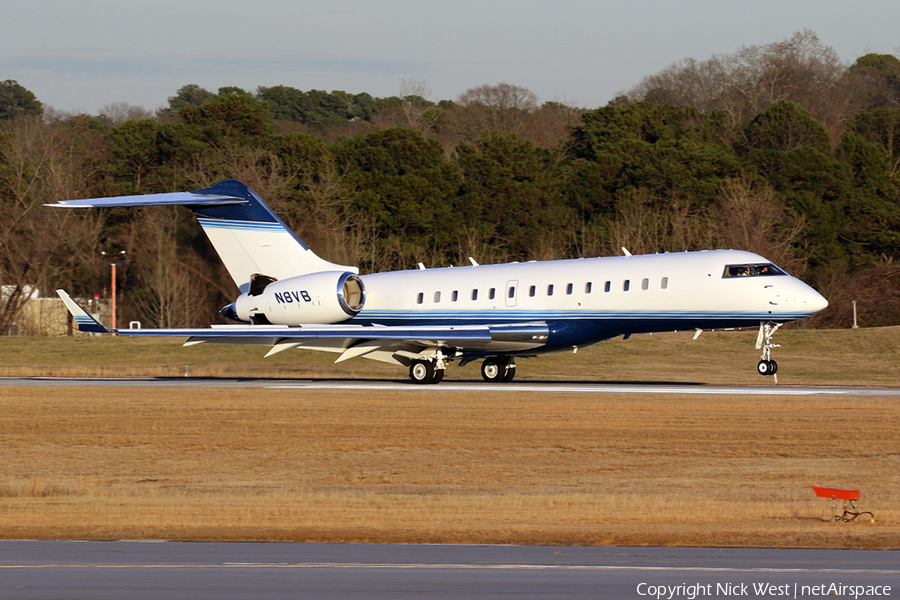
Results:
<point x="41" y="248"/>
<point x="172" y="285"/>
<point x="120" y="113"/>
<point x="504" y="108"/>
<point x="414" y="110"/>
<point x="415" y="94"/>
<point x="645" y="224"/>
<point x="750" y="217"/>
<point x="799" y="69"/>
<point x="347" y="236"/>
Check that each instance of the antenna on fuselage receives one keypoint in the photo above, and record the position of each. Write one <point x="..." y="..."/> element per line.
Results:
<point x="625" y="250"/>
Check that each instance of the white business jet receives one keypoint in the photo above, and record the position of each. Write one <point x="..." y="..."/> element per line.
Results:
<point x="425" y="319"/>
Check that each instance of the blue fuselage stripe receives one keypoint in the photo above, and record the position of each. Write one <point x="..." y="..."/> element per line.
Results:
<point x="568" y="329"/>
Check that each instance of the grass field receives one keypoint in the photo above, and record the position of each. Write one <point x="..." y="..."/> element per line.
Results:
<point x="828" y="357"/>
<point x="429" y="466"/>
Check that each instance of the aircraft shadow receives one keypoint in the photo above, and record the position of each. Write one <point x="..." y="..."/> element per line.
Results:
<point x="500" y="386"/>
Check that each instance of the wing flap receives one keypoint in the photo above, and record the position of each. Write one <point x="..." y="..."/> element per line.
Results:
<point x="483" y="337"/>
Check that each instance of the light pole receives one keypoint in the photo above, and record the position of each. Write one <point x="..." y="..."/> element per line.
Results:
<point x="113" y="284"/>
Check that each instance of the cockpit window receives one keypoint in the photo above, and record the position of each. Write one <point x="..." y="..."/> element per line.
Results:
<point x="759" y="270"/>
<point x="768" y="269"/>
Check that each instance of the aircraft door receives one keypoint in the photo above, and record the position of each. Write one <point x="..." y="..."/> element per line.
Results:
<point x="512" y="291"/>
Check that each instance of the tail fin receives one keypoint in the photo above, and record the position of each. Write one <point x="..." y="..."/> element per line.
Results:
<point x="247" y="235"/>
<point x="82" y="318"/>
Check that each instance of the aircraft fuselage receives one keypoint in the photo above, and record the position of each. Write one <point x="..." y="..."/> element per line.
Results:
<point x="585" y="301"/>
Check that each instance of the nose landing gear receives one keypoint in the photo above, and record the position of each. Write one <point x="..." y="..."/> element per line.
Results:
<point x="766" y="365"/>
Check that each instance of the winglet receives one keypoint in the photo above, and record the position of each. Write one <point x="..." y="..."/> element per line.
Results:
<point x="84" y="320"/>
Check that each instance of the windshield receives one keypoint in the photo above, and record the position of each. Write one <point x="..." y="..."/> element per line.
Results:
<point x="757" y="270"/>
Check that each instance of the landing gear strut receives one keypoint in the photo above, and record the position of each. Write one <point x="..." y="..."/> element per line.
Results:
<point x="498" y="368"/>
<point x="766" y="365"/>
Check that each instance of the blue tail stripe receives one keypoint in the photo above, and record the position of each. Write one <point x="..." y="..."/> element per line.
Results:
<point x="255" y="211"/>
<point x="244" y="225"/>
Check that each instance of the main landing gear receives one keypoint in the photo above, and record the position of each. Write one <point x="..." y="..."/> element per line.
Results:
<point x="494" y="369"/>
<point x="498" y="368"/>
<point x="766" y="365"/>
<point x="426" y="371"/>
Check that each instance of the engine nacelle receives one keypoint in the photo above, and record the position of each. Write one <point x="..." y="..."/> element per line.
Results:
<point x="327" y="297"/>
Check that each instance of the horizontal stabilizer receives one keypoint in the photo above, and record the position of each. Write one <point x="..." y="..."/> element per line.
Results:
<point x="246" y="234"/>
<point x="168" y="199"/>
<point x="82" y="318"/>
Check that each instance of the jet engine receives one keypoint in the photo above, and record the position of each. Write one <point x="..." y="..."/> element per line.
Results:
<point x="317" y="298"/>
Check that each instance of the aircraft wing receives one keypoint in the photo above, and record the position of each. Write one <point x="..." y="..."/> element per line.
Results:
<point x="349" y="340"/>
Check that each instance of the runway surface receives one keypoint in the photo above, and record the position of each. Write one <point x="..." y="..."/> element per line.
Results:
<point x="197" y="571"/>
<point x="576" y="387"/>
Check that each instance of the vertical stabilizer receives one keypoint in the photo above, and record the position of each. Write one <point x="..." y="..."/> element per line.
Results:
<point x="251" y="239"/>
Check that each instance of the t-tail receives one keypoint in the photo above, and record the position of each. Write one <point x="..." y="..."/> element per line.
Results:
<point x="249" y="238"/>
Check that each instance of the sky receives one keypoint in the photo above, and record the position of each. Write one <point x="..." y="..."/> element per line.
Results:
<point x="81" y="56"/>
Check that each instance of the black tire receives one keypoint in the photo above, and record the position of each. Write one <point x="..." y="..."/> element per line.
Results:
<point x="774" y="366"/>
<point x="421" y="371"/>
<point x="764" y="367"/>
<point x="438" y="375"/>
<point x="510" y="373"/>
<point x="493" y="370"/>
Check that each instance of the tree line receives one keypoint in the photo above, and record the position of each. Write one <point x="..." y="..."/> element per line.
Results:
<point x="780" y="150"/>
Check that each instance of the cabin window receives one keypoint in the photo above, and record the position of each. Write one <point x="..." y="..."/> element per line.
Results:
<point x="626" y="285"/>
<point x="512" y="291"/>
<point x="421" y="298"/>
<point x="664" y="283"/>
<point x="455" y="296"/>
<point x="437" y="297"/>
<point x="569" y="289"/>
<point x="645" y="284"/>
<point x="531" y="291"/>
<point x="587" y="288"/>
<point x="492" y="293"/>
<point x="550" y="290"/>
<point x="474" y="295"/>
<point x="608" y="286"/>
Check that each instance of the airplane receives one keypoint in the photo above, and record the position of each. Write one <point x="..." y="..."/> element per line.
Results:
<point x="425" y="319"/>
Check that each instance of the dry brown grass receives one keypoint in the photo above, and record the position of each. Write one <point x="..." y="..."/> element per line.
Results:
<point x="830" y="357"/>
<point x="420" y="466"/>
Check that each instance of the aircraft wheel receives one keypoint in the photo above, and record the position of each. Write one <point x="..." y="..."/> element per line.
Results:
<point x="510" y="373"/>
<point x="492" y="370"/>
<point x="774" y="366"/>
<point x="438" y="375"/>
<point x="421" y="371"/>
<point x="766" y="367"/>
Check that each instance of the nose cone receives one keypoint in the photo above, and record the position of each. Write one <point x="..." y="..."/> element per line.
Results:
<point x="796" y="300"/>
<point x="814" y="301"/>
